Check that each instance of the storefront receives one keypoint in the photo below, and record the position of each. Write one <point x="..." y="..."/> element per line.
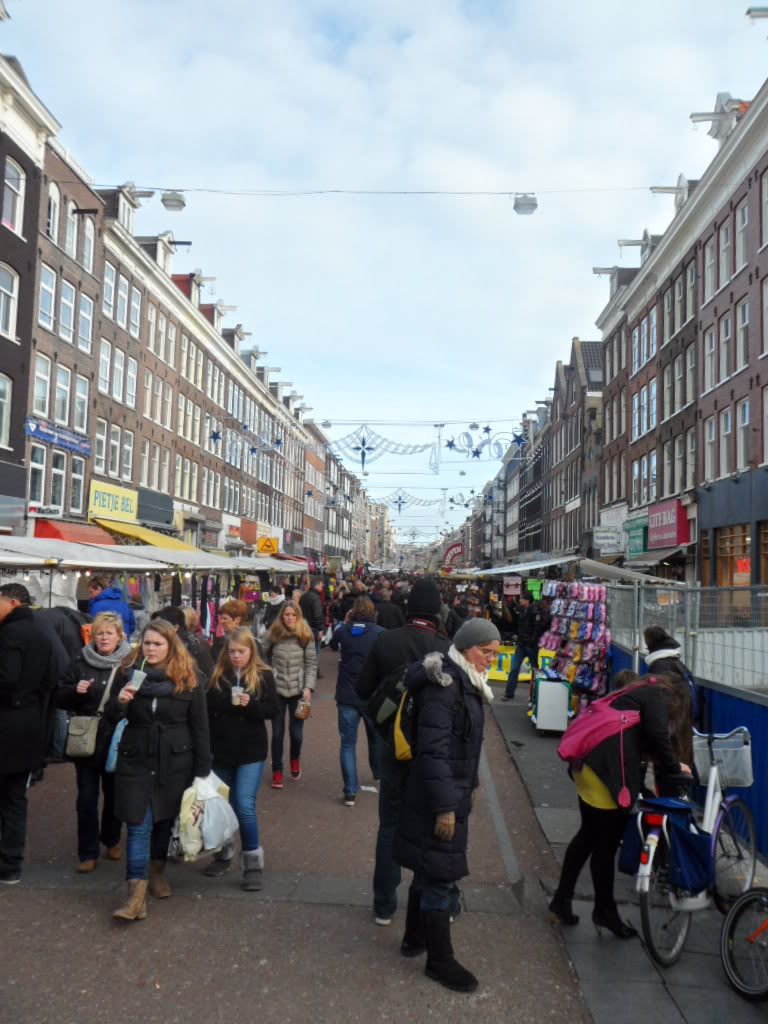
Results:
<point x="669" y="540"/>
<point x="733" y="530"/>
<point x="116" y="510"/>
<point x="155" y="510"/>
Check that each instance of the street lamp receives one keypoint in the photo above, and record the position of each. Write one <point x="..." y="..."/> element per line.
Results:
<point x="525" y="203"/>
<point x="173" y="201"/>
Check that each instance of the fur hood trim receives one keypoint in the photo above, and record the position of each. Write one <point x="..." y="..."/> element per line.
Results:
<point x="433" y="668"/>
<point x="666" y="652"/>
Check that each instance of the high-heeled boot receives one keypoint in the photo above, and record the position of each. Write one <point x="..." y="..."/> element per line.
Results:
<point x="561" y="910"/>
<point x="608" y="917"/>
<point x="135" y="907"/>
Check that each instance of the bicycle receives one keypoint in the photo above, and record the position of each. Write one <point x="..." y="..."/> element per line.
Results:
<point x="722" y="838"/>
<point x="744" y="944"/>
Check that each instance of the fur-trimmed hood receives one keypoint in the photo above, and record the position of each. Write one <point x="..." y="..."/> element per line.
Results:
<point x="434" y="670"/>
<point x="665" y="652"/>
<point x="443" y="669"/>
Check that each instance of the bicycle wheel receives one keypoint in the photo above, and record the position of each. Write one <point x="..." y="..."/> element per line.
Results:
<point x="734" y="853"/>
<point x="744" y="946"/>
<point x="664" y="928"/>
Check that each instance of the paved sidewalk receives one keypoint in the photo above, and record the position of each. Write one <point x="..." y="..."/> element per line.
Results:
<point x="618" y="979"/>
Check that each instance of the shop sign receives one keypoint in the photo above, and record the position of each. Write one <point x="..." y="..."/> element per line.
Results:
<point x="513" y="586"/>
<point x="233" y="531"/>
<point x="210" y="538"/>
<point x="107" y="501"/>
<point x="614" y="516"/>
<point x="60" y="437"/>
<point x="452" y="554"/>
<point x="35" y="510"/>
<point x="668" y="525"/>
<point x="637" y="534"/>
<point x="267" y="545"/>
<point x="607" y="540"/>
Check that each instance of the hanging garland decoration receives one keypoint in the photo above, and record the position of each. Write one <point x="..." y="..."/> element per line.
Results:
<point x="365" y="445"/>
<point x="234" y="429"/>
<point x="401" y="499"/>
<point x="486" y="444"/>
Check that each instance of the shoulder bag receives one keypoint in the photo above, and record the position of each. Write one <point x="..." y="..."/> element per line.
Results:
<point x="82" y="729"/>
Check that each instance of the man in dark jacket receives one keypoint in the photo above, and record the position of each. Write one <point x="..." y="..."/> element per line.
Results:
<point x="388" y="615"/>
<point x="530" y="627"/>
<point x="311" y="604"/>
<point x="393" y="650"/>
<point x="25" y="685"/>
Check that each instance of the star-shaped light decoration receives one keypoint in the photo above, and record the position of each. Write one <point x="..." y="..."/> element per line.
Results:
<point x="365" y="449"/>
<point x="277" y="443"/>
<point x="450" y="444"/>
<point x="310" y="494"/>
<point x="244" y="427"/>
<point x="215" y="436"/>
<point x="486" y="430"/>
<point x="253" y="450"/>
<point x="476" y="453"/>
<point x="489" y="497"/>
<point x="518" y="439"/>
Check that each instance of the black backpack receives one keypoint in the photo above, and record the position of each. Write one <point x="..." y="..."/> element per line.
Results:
<point x="385" y="700"/>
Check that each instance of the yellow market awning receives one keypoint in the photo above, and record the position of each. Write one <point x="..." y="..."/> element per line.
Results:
<point x="145" y="536"/>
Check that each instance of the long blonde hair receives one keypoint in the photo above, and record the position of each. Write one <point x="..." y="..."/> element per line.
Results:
<point x="251" y="677"/>
<point x="179" y="667"/>
<point x="279" y="631"/>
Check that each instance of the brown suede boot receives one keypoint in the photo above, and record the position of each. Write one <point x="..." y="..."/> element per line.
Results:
<point x="135" y="908"/>
<point x="158" y="884"/>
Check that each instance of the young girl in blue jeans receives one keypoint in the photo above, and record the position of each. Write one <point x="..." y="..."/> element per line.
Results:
<point x="239" y="744"/>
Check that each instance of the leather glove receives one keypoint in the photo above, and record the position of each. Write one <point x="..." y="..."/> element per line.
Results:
<point x="445" y="825"/>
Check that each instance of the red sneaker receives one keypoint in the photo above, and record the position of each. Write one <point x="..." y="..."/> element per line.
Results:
<point x="296" y="770"/>
<point x="277" y="780"/>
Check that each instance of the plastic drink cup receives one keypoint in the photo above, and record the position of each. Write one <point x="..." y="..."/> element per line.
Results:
<point x="237" y="692"/>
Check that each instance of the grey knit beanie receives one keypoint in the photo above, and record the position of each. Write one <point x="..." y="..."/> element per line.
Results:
<point x="475" y="632"/>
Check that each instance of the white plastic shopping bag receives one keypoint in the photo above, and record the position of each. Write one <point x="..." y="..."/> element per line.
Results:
<point x="191" y="834"/>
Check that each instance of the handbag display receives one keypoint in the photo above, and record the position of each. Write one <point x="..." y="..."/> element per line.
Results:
<point x="83" y="729"/>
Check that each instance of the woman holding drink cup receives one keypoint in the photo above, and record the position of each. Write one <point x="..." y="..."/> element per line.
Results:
<point x="164" y="747"/>
<point x="241" y="697"/>
<point x="81" y="692"/>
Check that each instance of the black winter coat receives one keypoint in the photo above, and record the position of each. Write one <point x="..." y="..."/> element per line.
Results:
<point x="444" y="771"/>
<point x="25" y="691"/>
<point x="389" y="616"/>
<point x="530" y="625"/>
<point x="239" y="735"/>
<point x="164" y="747"/>
<point x="200" y="651"/>
<point x="87" y="703"/>
<point x="649" y="739"/>
<point x="311" y="605"/>
<point x="354" y="640"/>
<point x="394" y="649"/>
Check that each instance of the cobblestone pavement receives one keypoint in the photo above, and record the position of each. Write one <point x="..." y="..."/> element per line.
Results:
<point x="306" y="948"/>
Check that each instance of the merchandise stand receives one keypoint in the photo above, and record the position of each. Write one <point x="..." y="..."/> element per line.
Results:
<point x="578" y="636"/>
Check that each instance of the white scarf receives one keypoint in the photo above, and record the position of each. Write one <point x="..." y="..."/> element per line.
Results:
<point x="478" y="679"/>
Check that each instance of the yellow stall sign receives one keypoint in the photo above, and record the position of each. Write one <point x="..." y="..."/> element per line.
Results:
<point x="107" y="501"/>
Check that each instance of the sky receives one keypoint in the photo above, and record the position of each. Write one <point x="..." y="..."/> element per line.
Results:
<point x="409" y="309"/>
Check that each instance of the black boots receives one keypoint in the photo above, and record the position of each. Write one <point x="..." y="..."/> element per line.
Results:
<point x="561" y="910"/>
<point x="441" y="965"/>
<point x="609" y="918"/>
<point x="414" y="943"/>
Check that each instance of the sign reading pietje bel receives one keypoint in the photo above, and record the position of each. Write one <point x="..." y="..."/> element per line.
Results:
<point x="108" y="501"/>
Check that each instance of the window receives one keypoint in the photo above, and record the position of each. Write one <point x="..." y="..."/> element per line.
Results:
<point x="652" y="400"/>
<point x="61" y="400"/>
<point x="742" y="334"/>
<point x="114" y="450"/>
<point x="122" y="301"/>
<point x="644" y="341"/>
<point x="52" y="220"/>
<point x="668" y="484"/>
<point x="131" y="378"/>
<point x="652" y="331"/>
<point x="742" y="219"/>
<point x="161" y="322"/>
<point x="167" y="405"/>
<point x="742" y="434"/>
<point x="100" y="449"/>
<point x="623" y="476"/>
<point x="13" y="197"/>
<point x="180" y="415"/>
<point x="47" y="297"/>
<point x="84" y="323"/>
<point x="135" y="323"/>
<point x="765" y="425"/>
<point x="635" y="418"/>
<point x="678" y="383"/>
<point x="679" y="304"/>
<point x="9" y="294"/>
<point x="667" y="322"/>
<point x="88" y="235"/>
<point x="725" y="442"/>
<point x="709" y="270"/>
<point x="6" y="399"/>
<point x="155" y="466"/>
<point x="635" y="349"/>
<point x="151" y="326"/>
<point x="177" y="477"/>
<point x="690" y="373"/>
<point x="36" y="473"/>
<point x="118" y="374"/>
<point x="127" y="472"/>
<point x="644" y="480"/>
<point x="606" y="483"/>
<point x="666" y="408"/>
<point x="165" y="464"/>
<point x="765" y="313"/>
<point x="144" y="463"/>
<point x="70" y="230"/>
<point x="643" y="410"/>
<point x="690" y="461"/>
<point x="148" y="394"/>
<point x="652" y="476"/>
<point x="196" y="429"/>
<point x="710" y="437"/>
<point x="679" y="458"/>
<point x="726" y="346"/>
<point x="78" y="481"/>
<point x="158" y="414"/>
<point x="184" y="345"/>
<point x="690" y="290"/>
<point x="725" y="260"/>
<point x="42" y="385"/>
<point x="108" y="300"/>
<point x="710" y="346"/>
<point x="105" y="359"/>
<point x="58" y="478"/>
<point x="764" y="209"/>
<point x="67" y="312"/>
<point x="171" y="348"/>
<point x="81" y="404"/>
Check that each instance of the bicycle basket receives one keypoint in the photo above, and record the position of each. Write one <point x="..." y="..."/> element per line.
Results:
<point x="732" y="752"/>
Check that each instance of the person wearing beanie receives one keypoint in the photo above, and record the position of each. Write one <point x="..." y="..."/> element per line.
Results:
<point x="392" y="652"/>
<point x="432" y="835"/>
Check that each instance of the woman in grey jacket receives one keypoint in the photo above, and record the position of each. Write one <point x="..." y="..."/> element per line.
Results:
<point x="289" y="648"/>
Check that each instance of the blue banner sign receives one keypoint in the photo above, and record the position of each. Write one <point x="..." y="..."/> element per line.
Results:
<point x="59" y="437"/>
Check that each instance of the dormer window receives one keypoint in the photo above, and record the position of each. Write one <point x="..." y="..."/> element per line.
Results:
<point x="125" y="213"/>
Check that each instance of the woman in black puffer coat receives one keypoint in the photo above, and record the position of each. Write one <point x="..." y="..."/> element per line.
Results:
<point x="438" y="795"/>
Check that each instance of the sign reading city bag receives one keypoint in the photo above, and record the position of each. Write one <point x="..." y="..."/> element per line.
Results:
<point x="82" y="729"/>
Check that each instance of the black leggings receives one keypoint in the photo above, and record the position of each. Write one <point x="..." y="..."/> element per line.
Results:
<point x="598" y="838"/>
